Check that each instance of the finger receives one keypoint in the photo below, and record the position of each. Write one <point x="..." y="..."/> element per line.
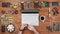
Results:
<point x="31" y="28"/>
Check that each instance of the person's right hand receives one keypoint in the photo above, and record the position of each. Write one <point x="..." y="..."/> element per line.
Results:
<point x="33" y="29"/>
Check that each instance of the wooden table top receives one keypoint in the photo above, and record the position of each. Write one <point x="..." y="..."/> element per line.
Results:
<point x="43" y="11"/>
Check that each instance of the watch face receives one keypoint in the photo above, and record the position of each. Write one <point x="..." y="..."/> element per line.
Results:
<point x="10" y="28"/>
<point x="54" y="3"/>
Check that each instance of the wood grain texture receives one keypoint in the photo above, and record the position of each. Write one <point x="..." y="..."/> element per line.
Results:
<point x="43" y="11"/>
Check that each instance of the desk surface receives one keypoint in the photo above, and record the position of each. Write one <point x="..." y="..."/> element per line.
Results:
<point x="42" y="26"/>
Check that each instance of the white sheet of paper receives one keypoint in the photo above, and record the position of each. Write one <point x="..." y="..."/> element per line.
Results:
<point x="30" y="19"/>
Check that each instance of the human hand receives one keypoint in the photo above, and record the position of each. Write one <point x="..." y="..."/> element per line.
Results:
<point x="32" y="29"/>
<point x="22" y="28"/>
